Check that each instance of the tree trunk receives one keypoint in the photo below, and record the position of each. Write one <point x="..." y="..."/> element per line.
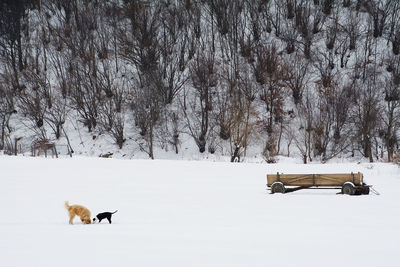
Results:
<point x="151" y="152"/>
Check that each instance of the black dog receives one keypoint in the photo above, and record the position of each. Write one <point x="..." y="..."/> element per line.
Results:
<point x="103" y="215"/>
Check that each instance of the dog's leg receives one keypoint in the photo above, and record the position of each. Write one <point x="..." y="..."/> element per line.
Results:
<point x="109" y="219"/>
<point x="71" y="218"/>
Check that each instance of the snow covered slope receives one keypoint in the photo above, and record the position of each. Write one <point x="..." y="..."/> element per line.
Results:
<point x="182" y="213"/>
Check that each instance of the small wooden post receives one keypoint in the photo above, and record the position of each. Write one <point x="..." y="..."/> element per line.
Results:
<point x="16" y="145"/>
<point x="55" y="151"/>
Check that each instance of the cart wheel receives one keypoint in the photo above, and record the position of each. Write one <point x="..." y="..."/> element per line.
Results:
<point x="365" y="190"/>
<point x="348" y="188"/>
<point x="278" y="187"/>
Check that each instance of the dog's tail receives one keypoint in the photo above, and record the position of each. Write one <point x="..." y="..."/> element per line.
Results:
<point x="66" y="203"/>
<point x="114" y="212"/>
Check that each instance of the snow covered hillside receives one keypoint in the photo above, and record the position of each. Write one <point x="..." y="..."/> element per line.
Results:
<point x="181" y="213"/>
<point x="315" y="80"/>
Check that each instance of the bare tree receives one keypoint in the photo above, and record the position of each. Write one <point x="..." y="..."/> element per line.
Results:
<point x="302" y="136"/>
<point x="204" y="79"/>
<point x="390" y="116"/>
<point x="242" y="124"/>
<point x="298" y="77"/>
<point x="379" y="12"/>
<point x="366" y="114"/>
<point x="7" y="108"/>
<point x="113" y="110"/>
<point x="271" y="73"/>
<point x="140" y="43"/>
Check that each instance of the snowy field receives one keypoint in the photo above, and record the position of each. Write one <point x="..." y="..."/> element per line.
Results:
<point x="188" y="213"/>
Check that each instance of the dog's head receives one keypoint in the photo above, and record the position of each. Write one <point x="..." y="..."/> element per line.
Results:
<point x="95" y="220"/>
<point x="86" y="220"/>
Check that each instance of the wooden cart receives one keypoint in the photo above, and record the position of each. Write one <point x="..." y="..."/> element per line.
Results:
<point x="349" y="183"/>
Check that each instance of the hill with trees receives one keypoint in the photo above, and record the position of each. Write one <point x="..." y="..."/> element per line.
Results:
<point x="310" y="79"/>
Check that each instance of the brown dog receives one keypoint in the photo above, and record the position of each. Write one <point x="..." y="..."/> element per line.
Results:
<point x="78" y="210"/>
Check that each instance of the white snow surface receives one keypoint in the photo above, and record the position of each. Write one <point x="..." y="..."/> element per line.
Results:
<point x="192" y="213"/>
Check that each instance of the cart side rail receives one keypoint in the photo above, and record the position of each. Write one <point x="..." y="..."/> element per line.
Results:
<point x="332" y="179"/>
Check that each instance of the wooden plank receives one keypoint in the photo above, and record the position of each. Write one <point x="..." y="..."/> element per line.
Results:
<point x="338" y="179"/>
<point x="333" y="179"/>
<point x="291" y="179"/>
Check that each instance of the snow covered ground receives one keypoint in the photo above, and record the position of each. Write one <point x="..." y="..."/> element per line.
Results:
<point x="190" y="213"/>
